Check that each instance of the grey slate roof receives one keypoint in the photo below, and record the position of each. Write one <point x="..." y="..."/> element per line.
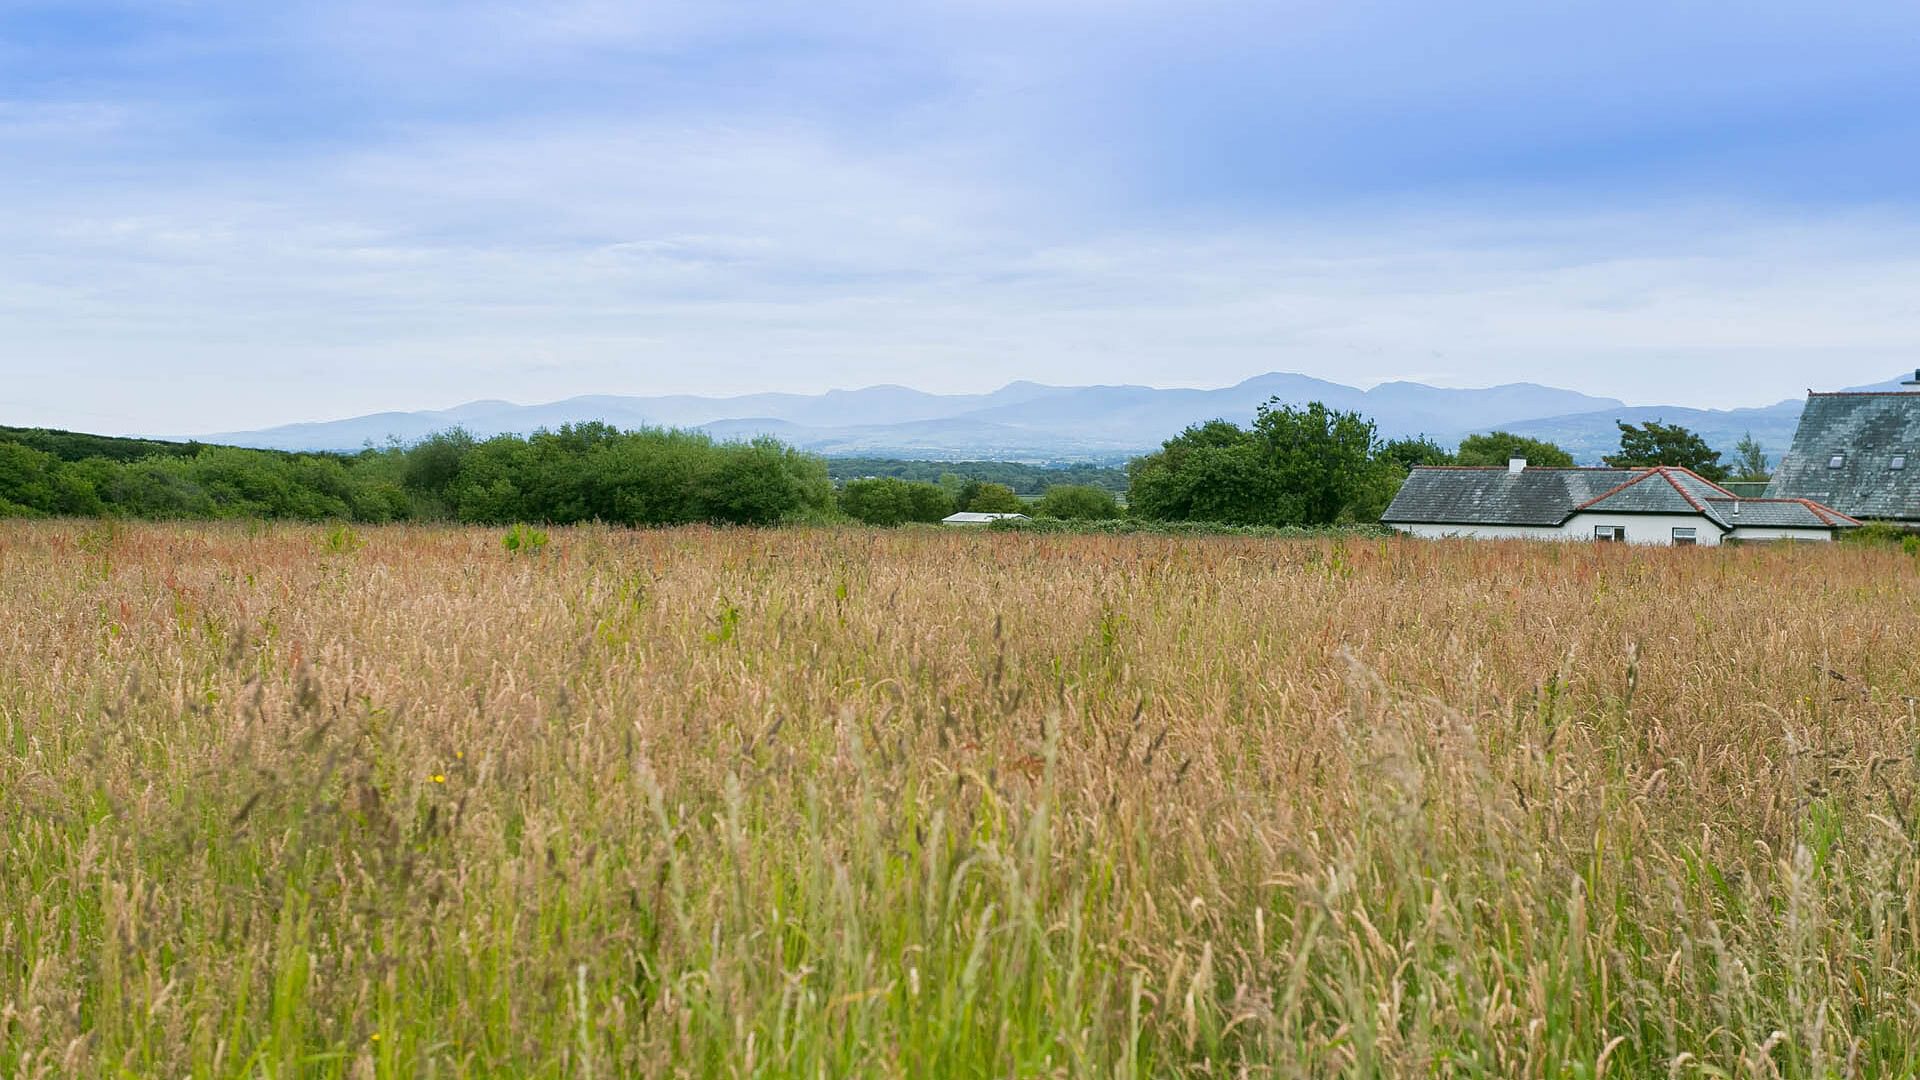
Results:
<point x="1697" y="488"/>
<point x="1659" y="491"/>
<point x="1443" y="495"/>
<point x="1869" y="429"/>
<point x="1440" y="495"/>
<point x="1780" y="514"/>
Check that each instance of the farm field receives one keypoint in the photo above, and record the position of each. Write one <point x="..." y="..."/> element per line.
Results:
<point x="292" y="801"/>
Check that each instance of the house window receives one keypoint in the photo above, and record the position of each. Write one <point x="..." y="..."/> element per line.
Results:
<point x="1837" y="461"/>
<point x="1609" y="534"/>
<point x="1686" y="537"/>
<point x="1899" y="463"/>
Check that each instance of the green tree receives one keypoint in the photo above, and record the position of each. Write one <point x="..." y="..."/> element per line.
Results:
<point x="581" y="472"/>
<point x="749" y="484"/>
<point x="652" y="477"/>
<point x="1077" y="502"/>
<point x="433" y="464"/>
<point x="1405" y="454"/>
<point x="158" y="488"/>
<point x="1653" y="443"/>
<point x="1500" y="447"/>
<point x="1311" y="466"/>
<point x="26" y="478"/>
<point x="1209" y="472"/>
<point x="992" y="498"/>
<point x="1196" y="480"/>
<point x="1750" y="460"/>
<point x="811" y="480"/>
<point x="485" y="492"/>
<point x="890" y="501"/>
<point x="1324" y="464"/>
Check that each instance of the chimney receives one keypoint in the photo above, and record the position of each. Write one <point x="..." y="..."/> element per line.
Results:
<point x="1516" y="466"/>
<point x="1915" y="381"/>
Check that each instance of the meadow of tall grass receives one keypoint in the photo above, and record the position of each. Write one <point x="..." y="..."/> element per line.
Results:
<point x="825" y="803"/>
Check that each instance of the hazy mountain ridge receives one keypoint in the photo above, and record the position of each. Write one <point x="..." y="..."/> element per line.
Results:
<point x="1026" y="421"/>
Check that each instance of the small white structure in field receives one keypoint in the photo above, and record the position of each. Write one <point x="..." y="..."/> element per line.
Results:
<point x="969" y="518"/>
<point x="1663" y="505"/>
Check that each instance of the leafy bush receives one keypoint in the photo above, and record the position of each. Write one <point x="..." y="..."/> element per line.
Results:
<point x="887" y="501"/>
<point x="1498" y="448"/>
<point x="525" y="540"/>
<point x="342" y="540"/>
<point x="1076" y="502"/>
<point x="1298" y="467"/>
<point x="1653" y="443"/>
<point x="990" y="499"/>
<point x="1877" y="534"/>
<point x="583" y="472"/>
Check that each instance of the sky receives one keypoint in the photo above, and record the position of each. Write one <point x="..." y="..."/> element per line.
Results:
<point x="225" y="215"/>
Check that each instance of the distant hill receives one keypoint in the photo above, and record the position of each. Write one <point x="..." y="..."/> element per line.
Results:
<point x="1022" y="421"/>
<point x="1592" y="435"/>
<point x="1031" y="422"/>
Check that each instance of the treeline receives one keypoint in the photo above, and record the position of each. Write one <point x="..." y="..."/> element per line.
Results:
<point x="1022" y="479"/>
<point x="1314" y="467"/>
<point x="1308" y="467"/>
<point x="78" y="446"/>
<point x="889" y="501"/>
<point x="594" y="472"/>
<point x="583" y="472"/>
<point x="1292" y="467"/>
<point x="214" y="482"/>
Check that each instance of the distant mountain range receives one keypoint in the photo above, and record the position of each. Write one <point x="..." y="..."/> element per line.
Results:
<point x="1027" y="421"/>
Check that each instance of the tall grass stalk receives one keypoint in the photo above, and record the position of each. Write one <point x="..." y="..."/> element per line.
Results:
<point x="936" y="804"/>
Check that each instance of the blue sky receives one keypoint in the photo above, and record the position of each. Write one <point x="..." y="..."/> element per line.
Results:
<point x="224" y="215"/>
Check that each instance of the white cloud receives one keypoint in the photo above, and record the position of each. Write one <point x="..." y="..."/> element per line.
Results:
<point x="638" y="259"/>
<point x="502" y="199"/>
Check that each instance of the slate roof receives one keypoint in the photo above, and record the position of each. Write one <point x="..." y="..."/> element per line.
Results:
<point x="1451" y="495"/>
<point x="1781" y="514"/>
<point x="1869" y="429"/>
<point x="1443" y="495"/>
<point x="1661" y="491"/>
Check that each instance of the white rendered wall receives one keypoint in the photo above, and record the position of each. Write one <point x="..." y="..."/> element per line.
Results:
<point x="1811" y="535"/>
<point x="1654" y="529"/>
<point x="1483" y="532"/>
<point x="1641" y="529"/>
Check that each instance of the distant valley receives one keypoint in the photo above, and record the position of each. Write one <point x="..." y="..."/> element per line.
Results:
<point x="1031" y="422"/>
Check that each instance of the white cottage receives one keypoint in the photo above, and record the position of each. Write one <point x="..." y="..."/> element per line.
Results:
<point x="1664" y="505"/>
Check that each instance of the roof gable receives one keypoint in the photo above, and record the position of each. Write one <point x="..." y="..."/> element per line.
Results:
<point x="1648" y="493"/>
<point x="1697" y="486"/>
<point x="1662" y="490"/>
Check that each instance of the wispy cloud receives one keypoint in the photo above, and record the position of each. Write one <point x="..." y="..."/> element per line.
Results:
<point x="230" y="216"/>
